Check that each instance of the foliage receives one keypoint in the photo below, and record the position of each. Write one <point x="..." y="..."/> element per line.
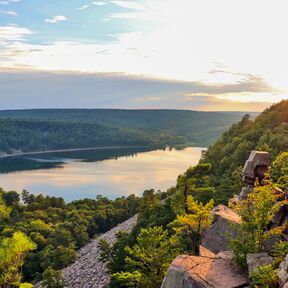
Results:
<point x="12" y="254"/>
<point x="58" y="229"/>
<point x="26" y="285"/>
<point x="279" y="252"/>
<point x="125" y="280"/>
<point x="151" y="256"/>
<point x="256" y="213"/>
<point x="52" y="278"/>
<point x="115" y="256"/>
<point x="264" y="277"/>
<point x="194" y="222"/>
<point x="279" y="170"/>
<point x="4" y="210"/>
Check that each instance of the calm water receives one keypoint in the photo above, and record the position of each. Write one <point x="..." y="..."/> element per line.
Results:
<point x="86" y="174"/>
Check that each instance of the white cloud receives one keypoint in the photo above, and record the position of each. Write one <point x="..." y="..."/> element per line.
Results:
<point x="13" y="33"/>
<point x="83" y="7"/>
<point x="8" y="2"/>
<point x="56" y="19"/>
<point x="99" y="3"/>
<point x="8" y="12"/>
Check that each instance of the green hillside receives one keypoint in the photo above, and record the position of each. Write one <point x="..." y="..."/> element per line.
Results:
<point x="268" y="132"/>
<point x="129" y="126"/>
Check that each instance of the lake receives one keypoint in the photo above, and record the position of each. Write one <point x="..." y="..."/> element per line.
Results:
<point x="86" y="174"/>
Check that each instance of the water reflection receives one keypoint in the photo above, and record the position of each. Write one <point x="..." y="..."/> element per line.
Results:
<point x="110" y="173"/>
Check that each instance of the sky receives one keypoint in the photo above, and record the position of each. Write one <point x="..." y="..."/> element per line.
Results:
<point x="210" y="55"/>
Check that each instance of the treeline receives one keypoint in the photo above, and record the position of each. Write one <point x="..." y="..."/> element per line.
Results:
<point x="160" y="126"/>
<point x="39" y="135"/>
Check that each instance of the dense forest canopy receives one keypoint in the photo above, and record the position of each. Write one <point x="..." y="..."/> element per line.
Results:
<point x="269" y="132"/>
<point x="48" y="129"/>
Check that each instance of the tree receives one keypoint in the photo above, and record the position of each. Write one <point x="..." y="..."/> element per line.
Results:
<point x="11" y="198"/>
<point x="115" y="256"/>
<point x="4" y="210"/>
<point x="256" y="212"/>
<point x="279" y="170"/>
<point x="12" y="253"/>
<point x="52" y="278"/>
<point x="150" y="257"/>
<point x="125" y="280"/>
<point x="194" y="221"/>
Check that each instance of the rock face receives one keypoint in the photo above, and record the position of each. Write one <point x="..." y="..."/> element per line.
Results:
<point x="255" y="168"/>
<point x="283" y="273"/>
<point x="88" y="271"/>
<point x="224" y="226"/>
<point x="201" y="272"/>
<point x="256" y="260"/>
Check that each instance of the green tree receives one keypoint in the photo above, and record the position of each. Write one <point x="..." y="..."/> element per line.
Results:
<point x="279" y="170"/>
<point x="52" y="278"/>
<point x="12" y="254"/>
<point x="194" y="221"/>
<point x="11" y="198"/>
<point x="125" y="280"/>
<point x="4" y="210"/>
<point x="256" y="212"/>
<point x="150" y="257"/>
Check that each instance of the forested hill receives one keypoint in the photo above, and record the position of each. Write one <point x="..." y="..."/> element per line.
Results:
<point x="219" y="172"/>
<point x="46" y="129"/>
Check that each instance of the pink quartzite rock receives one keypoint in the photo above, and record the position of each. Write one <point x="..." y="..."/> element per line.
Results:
<point x="256" y="159"/>
<point x="222" y="230"/>
<point x="202" y="272"/>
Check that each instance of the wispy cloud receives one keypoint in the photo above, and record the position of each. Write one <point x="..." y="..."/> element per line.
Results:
<point x="99" y="3"/>
<point x="13" y="33"/>
<point x="7" y="2"/>
<point x="56" y="19"/>
<point x="8" y="12"/>
<point x="83" y="7"/>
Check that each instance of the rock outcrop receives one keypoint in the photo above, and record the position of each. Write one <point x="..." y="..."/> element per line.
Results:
<point x="88" y="271"/>
<point x="223" y="228"/>
<point x="201" y="272"/>
<point x="255" y="168"/>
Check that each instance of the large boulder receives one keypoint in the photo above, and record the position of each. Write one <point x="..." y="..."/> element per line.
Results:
<point x="257" y="259"/>
<point x="224" y="228"/>
<point x="201" y="272"/>
<point x="256" y="166"/>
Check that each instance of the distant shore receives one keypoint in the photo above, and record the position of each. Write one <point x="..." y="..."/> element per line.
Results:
<point x="67" y="150"/>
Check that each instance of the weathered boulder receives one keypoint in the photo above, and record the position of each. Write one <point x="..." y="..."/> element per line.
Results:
<point x="256" y="166"/>
<point x="283" y="273"/>
<point x="223" y="228"/>
<point x="257" y="259"/>
<point x="201" y="272"/>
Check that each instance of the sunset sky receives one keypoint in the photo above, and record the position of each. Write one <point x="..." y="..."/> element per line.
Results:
<point x="182" y="54"/>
